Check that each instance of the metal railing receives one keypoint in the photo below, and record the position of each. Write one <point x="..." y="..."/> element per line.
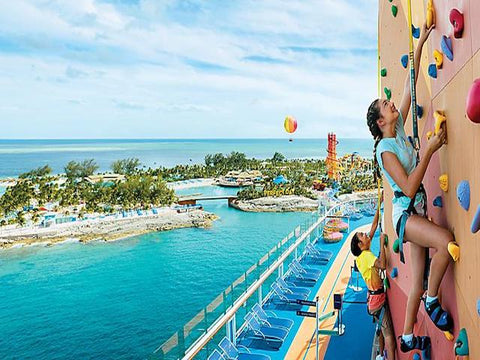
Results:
<point x="196" y="334"/>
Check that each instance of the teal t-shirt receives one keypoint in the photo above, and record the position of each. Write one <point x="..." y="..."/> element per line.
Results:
<point x="401" y="147"/>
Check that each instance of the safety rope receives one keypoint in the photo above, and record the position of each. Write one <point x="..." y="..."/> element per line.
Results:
<point x="412" y="80"/>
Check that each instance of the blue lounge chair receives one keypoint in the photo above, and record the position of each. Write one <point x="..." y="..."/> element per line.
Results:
<point x="292" y="288"/>
<point x="264" y="331"/>
<point x="231" y="352"/>
<point x="300" y="276"/>
<point x="285" y="297"/>
<point x="272" y="320"/>
<point x="322" y="256"/>
<point x="216" y="355"/>
<point x="306" y="269"/>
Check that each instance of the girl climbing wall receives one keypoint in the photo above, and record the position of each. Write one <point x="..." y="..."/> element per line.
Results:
<point x="396" y="158"/>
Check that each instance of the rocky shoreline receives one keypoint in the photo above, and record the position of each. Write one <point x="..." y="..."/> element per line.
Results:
<point x="285" y="203"/>
<point x="105" y="229"/>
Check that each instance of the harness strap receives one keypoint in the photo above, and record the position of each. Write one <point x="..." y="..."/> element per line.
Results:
<point x="403" y="220"/>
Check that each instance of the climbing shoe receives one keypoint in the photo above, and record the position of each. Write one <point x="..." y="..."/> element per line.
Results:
<point x="440" y="317"/>
<point x="418" y="342"/>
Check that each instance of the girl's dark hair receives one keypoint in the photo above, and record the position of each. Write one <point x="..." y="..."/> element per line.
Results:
<point x="354" y="248"/>
<point x="373" y="114"/>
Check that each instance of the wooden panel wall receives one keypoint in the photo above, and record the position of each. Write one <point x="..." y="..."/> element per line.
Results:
<point x="460" y="159"/>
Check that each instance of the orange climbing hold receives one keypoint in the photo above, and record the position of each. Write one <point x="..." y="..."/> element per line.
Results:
<point x="443" y="181"/>
<point x="440" y="118"/>
<point x="438" y="56"/>
<point x="454" y="250"/>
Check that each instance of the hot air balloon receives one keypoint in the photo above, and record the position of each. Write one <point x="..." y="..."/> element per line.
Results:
<point x="290" y="124"/>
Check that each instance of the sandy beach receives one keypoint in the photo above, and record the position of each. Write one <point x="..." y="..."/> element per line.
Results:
<point x="107" y="229"/>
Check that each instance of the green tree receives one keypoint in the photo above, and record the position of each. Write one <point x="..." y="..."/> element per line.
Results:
<point x="36" y="173"/>
<point x="278" y="158"/>
<point x="125" y="166"/>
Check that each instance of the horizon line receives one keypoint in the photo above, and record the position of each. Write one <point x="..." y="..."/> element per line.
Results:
<point x="180" y="138"/>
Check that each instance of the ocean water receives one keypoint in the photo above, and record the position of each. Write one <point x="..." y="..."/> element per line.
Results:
<point x="17" y="156"/>
<point x="120" y="300"/>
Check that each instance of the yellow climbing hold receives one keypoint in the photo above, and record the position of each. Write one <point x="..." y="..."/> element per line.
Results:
<point x="429" y="135"/>
<point x="448" y="335"/>
<point x="443" y="181"/>
<point x="438" y="56"/>
<point x="430" y="14"/>
<point x="454" y="250"/>
<point x="440" y="118"/>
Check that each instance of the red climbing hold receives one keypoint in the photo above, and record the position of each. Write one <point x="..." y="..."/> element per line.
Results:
<point x="473" y="102"/>
<point x="456" y="19"/>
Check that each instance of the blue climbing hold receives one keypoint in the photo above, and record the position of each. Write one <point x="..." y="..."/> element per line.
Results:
<point x="394" y="273"/>
<point x="432" y="70"/>
<point x="478" y="307"/>
<point x="476" y="221"/>
<point x="415" y="32"/>
<point x="416" y="356"/>
<point x="419" y="111"/>
<point x="404" y="60"/>
<point x="438" y="202"/>
<point x="447" y="48"/>
<point x="463" y="194"/>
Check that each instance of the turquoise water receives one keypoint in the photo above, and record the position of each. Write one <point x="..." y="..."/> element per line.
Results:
<point x="17" y="156"/>
<point x="121" y="300"/>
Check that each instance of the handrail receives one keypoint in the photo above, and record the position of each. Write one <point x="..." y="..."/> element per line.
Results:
<point x="198" y="345"/>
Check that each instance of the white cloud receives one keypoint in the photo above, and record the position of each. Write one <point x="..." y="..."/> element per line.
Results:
<point x="189" y="66"/>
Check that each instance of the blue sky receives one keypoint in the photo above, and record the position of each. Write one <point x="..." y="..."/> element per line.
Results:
<point x="186" y="69"/>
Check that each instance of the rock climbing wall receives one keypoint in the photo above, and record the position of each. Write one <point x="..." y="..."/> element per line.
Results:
<point x="459" y="159"/>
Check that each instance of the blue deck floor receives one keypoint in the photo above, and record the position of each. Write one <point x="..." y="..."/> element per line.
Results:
<point x="356" y="343"/>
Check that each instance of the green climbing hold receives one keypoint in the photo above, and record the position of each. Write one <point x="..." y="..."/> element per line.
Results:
<point x="386" y="239"/>
<point x="396" y="247"/>
<point x="390" y="0"/>
<point x="394" y="11"/>
<point x="383" y="72"/>
<point x="386" y="283"/>
<point x="388" y="93"/>
<point x="461" y="345"/>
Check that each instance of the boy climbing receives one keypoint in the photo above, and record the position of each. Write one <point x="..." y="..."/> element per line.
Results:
<point x="370" y="267"/>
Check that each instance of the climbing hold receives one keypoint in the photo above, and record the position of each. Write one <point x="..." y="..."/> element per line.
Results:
<point x="438" y="56"/>
<point x="394" y="273"/>
<point x="388" y="93"/>
<point x="416" y="356"/>
<point x="429" y="135"/>
<point x="385" y="240"/>
<point x="419" y="111"/>
<point x="396" y="246"/>
<point x="438" y="202"/>
<point x="461" y="345"/>
<point x="386" y="283"/>
<point x="430" y="14"/>
<point x="454" y="250"/>
<point x="440" y="118"/>
<point x="473" y="102"/>
<point x="463" y="194"/>
<point x="447" y="47"/>
<point x="383" y="72"/>
<point x="415" y="32"/>
<point x="478" y="307"/>
<point x="404" y="60"/>
<point x="476" y="221"/>
<point x="443" y="181"/>
<point x="448" y="335"/>
<point x="394" y="11"/>
<point x="432" y="70"/>
<point x="456" y="19"/>
<point x="390" y="0"/>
